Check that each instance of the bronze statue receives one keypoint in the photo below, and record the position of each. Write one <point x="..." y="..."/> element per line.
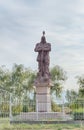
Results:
<point x="43" y="59"/>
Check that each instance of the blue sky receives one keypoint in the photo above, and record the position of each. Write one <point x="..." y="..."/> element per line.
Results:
<point x="21" y="26"/>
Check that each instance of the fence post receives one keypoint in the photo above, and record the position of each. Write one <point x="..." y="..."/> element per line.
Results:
<point x="63" y="111"/>
<point x="37" y="108"/>
<point x="10" y="114"/>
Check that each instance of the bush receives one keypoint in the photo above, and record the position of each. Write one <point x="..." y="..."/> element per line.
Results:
<point x="55" y="107"/>
<point x="4" y="107"/>
<point x="3" y="114"/>
<point x="28" y="108"/>
<point x="68" y="110"/>
<point x="78" y="116"/>
<point x="16" y="109"/>
<point x="25" y="108"/>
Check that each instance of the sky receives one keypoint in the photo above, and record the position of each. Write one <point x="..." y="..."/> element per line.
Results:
<point x="21" y="26"/>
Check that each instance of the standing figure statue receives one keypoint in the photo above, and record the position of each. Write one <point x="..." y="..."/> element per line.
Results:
<point x="43" y="59"/>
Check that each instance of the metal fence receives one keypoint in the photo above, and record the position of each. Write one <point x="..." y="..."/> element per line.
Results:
<point x="4" y="105"/>
<point x="27" y="110"/>
<point x="17" y="109"/>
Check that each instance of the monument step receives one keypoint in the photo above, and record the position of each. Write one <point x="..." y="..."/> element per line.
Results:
<point x="42" y="116"/>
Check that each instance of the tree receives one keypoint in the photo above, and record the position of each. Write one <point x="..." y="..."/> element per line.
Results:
<point x="81" y="86"/>
<point x="22" y="80"/>
<point x="58" y="76"/>
<point x="4" y="77"/>
<point x="71" y="96"/>
<point x="19" y="80"/>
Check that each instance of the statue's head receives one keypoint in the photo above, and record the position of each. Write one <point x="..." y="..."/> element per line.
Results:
<point x="43" y="39"/>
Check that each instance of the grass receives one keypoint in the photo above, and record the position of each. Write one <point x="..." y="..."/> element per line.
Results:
<point x="5" y="125"/>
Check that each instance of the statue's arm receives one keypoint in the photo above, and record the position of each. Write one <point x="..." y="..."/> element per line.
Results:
<point x="38" y="48"/>
<point x="47" y="47"/>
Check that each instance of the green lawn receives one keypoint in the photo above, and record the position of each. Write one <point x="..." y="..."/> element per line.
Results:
<point x="5" y="125"/>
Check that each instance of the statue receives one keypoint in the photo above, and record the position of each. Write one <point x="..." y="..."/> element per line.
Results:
<point x="43" y="59"/>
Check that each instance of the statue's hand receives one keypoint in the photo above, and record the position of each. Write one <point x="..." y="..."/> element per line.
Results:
<point x="47" y="47"/>
<point x="38" y="47"/>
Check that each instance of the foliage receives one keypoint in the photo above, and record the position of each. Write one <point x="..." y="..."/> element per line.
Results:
<point x="4" y="114"/>
<point x="71" y="96"/>
<point x="55" y="107"/>
<point x="78" y="115"/>
<point x="78" y="109"/>
<point x="25" y="108"/>
<point x="22" y="79"/>
<point x="58" y="77"/>
<point x="81" y="85"/>
<point x="16" y="109"/>
<point x="4" y="78"/>
<point x="29" y="106"/>
<point x="4" y="107"/>
<point x="18" y="80"/>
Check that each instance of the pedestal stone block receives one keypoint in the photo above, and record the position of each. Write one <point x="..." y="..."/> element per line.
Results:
<point x="44" y="107"/>
<point x="43" y="98"/>
<point x="44" y="90"/>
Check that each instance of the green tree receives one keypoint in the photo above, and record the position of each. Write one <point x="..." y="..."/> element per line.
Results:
<point x="19" y="80"/>
<point x="22" y="80"/>
<point x="4" y="78"/>
<point x="71" y="96"/>
<point x="81" y="86"/>
<point x="58" y="76"/>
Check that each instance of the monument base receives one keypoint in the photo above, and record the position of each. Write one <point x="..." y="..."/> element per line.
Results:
<point x="41" y="116"/>
<point x="43" y="98"/>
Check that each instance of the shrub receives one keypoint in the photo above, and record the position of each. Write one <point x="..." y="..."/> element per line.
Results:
<point x="4" y="114"/>
<point x="16" y="109"/>
<point x="55" y="107"/>
<point x="78" y="116"/>
<point x="25" y="108"/>
<point x="4" y="107"/>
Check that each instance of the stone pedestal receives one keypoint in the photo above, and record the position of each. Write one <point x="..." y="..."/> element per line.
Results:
<point x="43" y="98"/>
